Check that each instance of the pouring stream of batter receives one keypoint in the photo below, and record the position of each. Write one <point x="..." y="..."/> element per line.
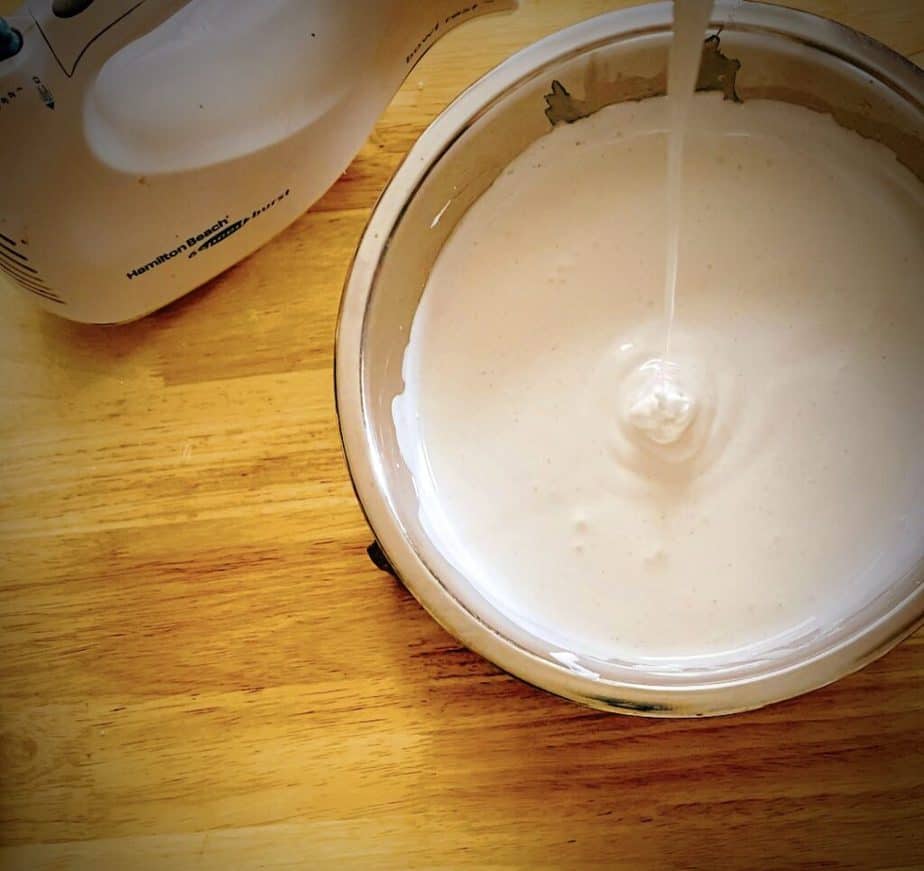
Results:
<point x="663" y="408"/>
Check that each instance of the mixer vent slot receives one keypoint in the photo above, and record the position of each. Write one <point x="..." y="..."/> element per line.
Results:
<point x="15" y="264"/>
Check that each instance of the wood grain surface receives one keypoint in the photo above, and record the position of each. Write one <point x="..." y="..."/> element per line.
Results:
<point x="200" y="668"/>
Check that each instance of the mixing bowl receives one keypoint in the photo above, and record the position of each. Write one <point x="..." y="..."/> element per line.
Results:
<point x="756" y="51"/>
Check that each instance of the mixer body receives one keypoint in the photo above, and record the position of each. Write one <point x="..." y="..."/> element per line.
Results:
<point x="147" y="145"/>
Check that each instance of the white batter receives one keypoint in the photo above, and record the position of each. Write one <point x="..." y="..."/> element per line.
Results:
<point x="795" y="492"/>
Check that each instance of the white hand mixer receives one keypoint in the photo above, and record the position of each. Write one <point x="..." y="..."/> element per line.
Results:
<point x="150" y="144"/>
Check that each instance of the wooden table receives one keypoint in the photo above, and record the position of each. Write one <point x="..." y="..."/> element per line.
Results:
<point x="201" y="668"/>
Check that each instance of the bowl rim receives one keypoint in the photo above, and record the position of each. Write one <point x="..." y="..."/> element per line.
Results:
<point x="364" y="464"/>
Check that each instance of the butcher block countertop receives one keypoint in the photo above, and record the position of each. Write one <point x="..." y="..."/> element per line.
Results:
<point x="200" y="668"/>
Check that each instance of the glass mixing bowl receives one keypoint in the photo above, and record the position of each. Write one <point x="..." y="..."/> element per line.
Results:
<point x="761" y="51"/>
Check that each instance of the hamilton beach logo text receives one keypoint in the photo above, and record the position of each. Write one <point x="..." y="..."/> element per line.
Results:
<point x="208" y="238"/>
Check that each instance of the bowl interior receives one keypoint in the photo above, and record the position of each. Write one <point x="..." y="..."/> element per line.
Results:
<point x="762" y="52"/>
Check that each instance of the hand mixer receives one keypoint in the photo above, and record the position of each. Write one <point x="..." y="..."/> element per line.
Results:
<point x="150" y="144"/>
